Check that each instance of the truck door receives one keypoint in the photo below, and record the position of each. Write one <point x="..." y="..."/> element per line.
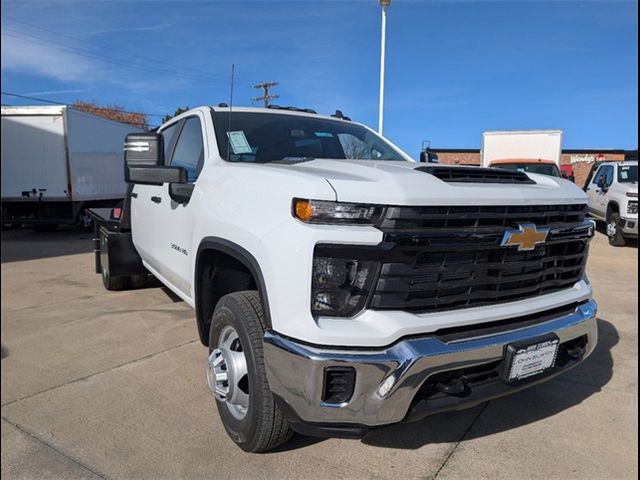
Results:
<point x="597" y="197"/>
<point x="173" y="239"/>
<point x="146" y="201"/>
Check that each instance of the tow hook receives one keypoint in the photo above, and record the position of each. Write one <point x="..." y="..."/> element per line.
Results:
<point x="575" y="352"/>
<point x="456" y="386"/>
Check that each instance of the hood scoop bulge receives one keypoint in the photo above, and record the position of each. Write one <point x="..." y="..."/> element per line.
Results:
<point x="477" y="175"/>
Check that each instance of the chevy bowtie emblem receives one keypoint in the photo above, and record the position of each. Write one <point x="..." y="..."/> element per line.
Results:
<point x="526" y="237"/>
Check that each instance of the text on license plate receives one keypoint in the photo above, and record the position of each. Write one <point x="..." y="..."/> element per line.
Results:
<point x="533" y="359"/>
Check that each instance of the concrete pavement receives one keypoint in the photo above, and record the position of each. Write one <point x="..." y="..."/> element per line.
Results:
<point x="111" y="384"/>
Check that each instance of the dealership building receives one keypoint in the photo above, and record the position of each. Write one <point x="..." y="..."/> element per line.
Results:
<point x="581" y="160"/>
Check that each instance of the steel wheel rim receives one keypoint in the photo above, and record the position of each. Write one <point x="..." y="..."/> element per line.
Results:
<point x="612" y="229"/>
<point x="227" y="373"/>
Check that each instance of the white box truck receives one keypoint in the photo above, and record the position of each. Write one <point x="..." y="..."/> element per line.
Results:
<point x="57" y="161"/>
<point x="535" y="151"/>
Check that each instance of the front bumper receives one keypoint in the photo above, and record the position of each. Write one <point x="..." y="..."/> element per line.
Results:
<point x="296" y="372"/>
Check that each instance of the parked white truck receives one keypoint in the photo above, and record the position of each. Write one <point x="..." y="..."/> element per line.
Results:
<point x="56" y="161"/>
<point x="613" y="198"/>
<point x="535" y="151"/>
<point x="339" y="285"/>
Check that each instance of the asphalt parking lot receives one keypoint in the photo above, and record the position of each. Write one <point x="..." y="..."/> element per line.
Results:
<point x="99" y="384"/>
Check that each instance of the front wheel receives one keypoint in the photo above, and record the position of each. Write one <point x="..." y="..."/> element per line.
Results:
<point x="237" y="377"/>
<point x="614" y="232"/>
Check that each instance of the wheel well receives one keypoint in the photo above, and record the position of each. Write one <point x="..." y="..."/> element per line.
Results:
<point x="218" y="273"/>
<point x="612" y="208"/>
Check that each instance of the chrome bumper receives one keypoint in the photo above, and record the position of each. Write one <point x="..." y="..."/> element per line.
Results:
<point x="296" y="372"/>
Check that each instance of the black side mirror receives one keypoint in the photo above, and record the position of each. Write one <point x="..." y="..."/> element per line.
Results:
<point x="428" y="156"/>
<point x="602" y="183"/>
<point x="181" y="192"/>
<point x="155" y="175"/>
<point x="144" y="149"/>
<point x="144" y="161"/>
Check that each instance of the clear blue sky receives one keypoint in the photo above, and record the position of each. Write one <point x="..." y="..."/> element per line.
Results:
<point x="454" y="69"/>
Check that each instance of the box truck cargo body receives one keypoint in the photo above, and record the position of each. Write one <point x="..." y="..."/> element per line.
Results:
<point x="519" y="145"/>
<point x="56" y="161"/>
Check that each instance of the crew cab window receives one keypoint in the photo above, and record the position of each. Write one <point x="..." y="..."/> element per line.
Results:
<point x="607" y="173"/>
<point x="168" y="134"/>
<point x="628" y="174"/>
<point x="189" y="150"/>
<point x="599" y="174"/>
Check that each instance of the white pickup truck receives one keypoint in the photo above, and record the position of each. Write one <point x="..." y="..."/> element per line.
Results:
<point x="613" y="198"/>
<point x="338" y="284"/>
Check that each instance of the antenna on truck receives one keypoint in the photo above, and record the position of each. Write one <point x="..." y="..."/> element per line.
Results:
<point x="233" y="67"/>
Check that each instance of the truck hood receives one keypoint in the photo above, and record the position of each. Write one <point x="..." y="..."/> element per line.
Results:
<point x="399" y="183"/>
<point x="624" y="188"/>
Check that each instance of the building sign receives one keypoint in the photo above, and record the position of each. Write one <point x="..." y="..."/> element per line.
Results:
<point x="586" y="158"/>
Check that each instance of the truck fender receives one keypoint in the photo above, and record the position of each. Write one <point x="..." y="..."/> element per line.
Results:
<point x="246" y="259"/>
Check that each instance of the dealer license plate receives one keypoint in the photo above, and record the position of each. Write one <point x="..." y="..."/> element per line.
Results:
<point x="533" y="359"/>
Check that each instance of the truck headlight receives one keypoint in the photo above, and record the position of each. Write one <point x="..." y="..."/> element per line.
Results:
<point x="325" y="212"/>
<point x="632" y="206"/>
<point x="340" y="287"/>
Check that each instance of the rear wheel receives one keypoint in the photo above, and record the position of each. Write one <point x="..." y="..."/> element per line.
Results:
<point x="114" y="283"/>
<point x="614" y="232"/>
<point x="237" y="377"/>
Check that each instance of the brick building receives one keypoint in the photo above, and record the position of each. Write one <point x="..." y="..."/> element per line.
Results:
<point x="580" y="159"/>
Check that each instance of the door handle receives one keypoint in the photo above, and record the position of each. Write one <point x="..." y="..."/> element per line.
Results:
<point x="155" y="199"/>
<point x="134" y="194"/>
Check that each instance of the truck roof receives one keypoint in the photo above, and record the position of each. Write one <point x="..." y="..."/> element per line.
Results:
<point x="284" y="111"/>
<point x="33" y="110"/>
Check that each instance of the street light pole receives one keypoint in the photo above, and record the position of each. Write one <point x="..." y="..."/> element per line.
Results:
<point x="385" y="5"/>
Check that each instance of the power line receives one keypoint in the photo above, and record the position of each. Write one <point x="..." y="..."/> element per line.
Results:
<point x="36" y="99"/>
<point x="199" y="74"/>
<point x="265" y="97"/>
<point x="106" y="58"/>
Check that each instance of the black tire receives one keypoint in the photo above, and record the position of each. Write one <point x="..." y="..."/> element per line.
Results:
<point x="138" y="281"/>
<point x="114" y="283"/>
<point x="263" y="427"/>
<point x="614" y="232"/>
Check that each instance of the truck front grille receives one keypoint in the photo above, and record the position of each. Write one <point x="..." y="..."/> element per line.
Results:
<point x="444" y="258"/>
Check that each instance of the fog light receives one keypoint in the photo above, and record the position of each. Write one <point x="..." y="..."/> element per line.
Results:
<point x="386" y="386"/>
<point x="339" y="383"/>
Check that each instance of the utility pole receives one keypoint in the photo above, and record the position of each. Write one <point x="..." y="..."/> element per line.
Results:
<point x="266" y="98"/>
<point x="385" y="6"/>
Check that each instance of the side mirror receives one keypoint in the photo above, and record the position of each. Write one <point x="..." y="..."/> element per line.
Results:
<point x="602" y="183"/>
<point x="155" y="175"/>
<point x="181" y="192"/>
<point x="428" y="156"/>
<point x="144" y="161"/>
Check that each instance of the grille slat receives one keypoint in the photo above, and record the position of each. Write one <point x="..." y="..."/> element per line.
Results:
<point x="444" y="266"/>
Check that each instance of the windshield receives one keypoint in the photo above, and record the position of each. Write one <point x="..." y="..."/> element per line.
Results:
<point x="272" y="137"/>
<point x="542" y="168"/>
<point x="628" y="174"/>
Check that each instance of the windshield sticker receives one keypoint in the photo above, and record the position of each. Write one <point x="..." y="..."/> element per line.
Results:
<point x="324" y="134"/>
<point x="239" y="142"/>
<point x="624" y="173"/>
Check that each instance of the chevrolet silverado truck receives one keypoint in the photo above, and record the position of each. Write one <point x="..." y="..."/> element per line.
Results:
<point x="340" y="286"/>
<point x="613" y="198"/>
